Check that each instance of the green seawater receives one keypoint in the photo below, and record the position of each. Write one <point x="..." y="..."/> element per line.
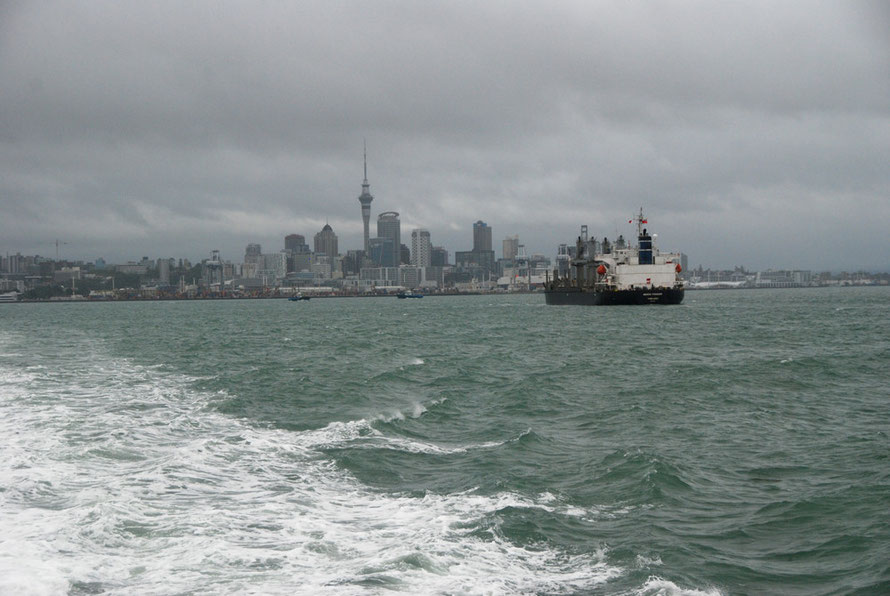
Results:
<point x="735" y="444"/>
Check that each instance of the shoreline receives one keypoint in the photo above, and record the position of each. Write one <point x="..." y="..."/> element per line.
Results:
<point x="68" y="300"/>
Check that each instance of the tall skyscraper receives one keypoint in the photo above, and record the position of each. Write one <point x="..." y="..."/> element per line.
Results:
<point x="481" y="236"/>
<point x="365" y="199"/>
<point x="388" y="226"/>
<point x="511" y="247"/>
<point x="326" y="242"/>
<point x="421" y="248"/>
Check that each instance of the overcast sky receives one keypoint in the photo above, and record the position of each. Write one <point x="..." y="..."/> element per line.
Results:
<point x="752" y="133"/>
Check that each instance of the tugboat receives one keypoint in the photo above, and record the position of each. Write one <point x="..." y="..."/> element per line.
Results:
<point x="618" y="274"/>
<point x="403" y="295"/>
<point x="299" y="298"/>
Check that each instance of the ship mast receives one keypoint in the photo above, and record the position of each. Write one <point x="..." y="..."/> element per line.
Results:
<point x="640" y="223"/>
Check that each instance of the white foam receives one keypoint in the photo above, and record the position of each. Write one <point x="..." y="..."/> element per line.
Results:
<point x="656" y="586"/>
<point x="122" y="478"/>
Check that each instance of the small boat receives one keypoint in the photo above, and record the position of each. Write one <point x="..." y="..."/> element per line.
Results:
<point x="402" y="295"/>
<point x="298" y="297"/>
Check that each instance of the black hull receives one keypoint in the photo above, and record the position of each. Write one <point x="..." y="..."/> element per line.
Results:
<point x="576" y="297"/>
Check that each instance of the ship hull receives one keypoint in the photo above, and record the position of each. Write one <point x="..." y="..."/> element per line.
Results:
<point x="577" y="297"/>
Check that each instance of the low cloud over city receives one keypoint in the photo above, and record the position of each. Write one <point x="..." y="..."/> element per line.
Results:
<point x="753" y="134"/>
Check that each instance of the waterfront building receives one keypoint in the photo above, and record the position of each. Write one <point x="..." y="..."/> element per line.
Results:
<point x="295" y="243"/>
<point x="480" y="261"/>
<point x="439" y="256"/>
<point x="381" y="252"/>
<point x="164" y="271"/>
<point x="301" y="261"/>
<point x="511" y="247"/>
<point x="783" y="278"/>
<point x="365" y="199"/>
<point x="421" y="255"/>
<point x="351" y="264"/>
<point x="322" y="266"/>
<point x="253" y="261"/>
<point x="15" y="264"/>
<point x="326" y="241"/>
<point x="213" y="271"/>
<point x="388" y="226"/>
<point x="381" y="276"/>
<point x="275" y="265"/>
<point x="253" y="253"/>
<point x="132" y="267"/>
<point x="481" y="236"/>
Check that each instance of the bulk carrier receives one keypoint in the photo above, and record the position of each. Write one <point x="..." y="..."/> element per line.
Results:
<point x="617" y="274"/>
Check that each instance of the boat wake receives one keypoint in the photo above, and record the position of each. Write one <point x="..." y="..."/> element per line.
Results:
<point x="121" y="478"/>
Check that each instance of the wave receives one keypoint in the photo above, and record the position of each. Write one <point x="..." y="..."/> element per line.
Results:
<point x="656" y="586"/>
<point x="121" y="478"/>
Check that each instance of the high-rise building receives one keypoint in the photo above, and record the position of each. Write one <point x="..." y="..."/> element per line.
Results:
<point x="164" y="271"/>
<point x="481" y="236"/>
<point x="388" y="226"/>
<point x="252" y="250"/>
<point x="421" y="248"/>
<point x="295" y="243"/>
<point x="326" y="241"/>
<point x="381" y="252"/>
<point x="438" y="256"/>
<point x="365" y="199"/>
<point x="253" y="260"/>
<point x="480" y="260"/>
<point x="511" y="247"/>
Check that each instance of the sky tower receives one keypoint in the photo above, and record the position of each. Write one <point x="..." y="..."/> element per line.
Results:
<point x="365" y="199"/>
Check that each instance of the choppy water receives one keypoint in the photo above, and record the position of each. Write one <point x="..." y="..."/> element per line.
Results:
<point x="736" y="444"/>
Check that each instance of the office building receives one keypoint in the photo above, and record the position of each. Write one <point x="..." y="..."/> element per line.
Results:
<point x="439" y="256"/>
<point x="388" y="226"/>
<point x="481" y="236"/>
<point x="511" y="247"/>
<point x="480" y="261"/>
<point x="381" y="252"/>
<point x="326" y="242"/>
<point x="295" y="243"/>
<point x="421" y="249"/>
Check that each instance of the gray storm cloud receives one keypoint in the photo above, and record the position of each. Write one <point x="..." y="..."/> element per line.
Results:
<point x="754" y="134"/>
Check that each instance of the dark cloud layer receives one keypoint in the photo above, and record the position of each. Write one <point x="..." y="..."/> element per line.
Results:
<point x="755" y="133"/>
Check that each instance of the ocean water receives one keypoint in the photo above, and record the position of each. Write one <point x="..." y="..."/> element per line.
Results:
<point x="735" y="444"/>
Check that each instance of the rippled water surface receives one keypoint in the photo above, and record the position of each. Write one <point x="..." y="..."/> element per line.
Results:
<point x="735" y="444"/>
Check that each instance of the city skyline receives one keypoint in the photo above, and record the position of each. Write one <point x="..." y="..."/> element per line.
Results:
<point x="753" y="133"/>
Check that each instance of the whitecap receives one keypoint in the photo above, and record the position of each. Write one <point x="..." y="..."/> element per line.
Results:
<point x="656" y="586"/>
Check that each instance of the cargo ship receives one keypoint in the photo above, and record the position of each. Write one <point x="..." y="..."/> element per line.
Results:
<point x="601" y="273"/>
